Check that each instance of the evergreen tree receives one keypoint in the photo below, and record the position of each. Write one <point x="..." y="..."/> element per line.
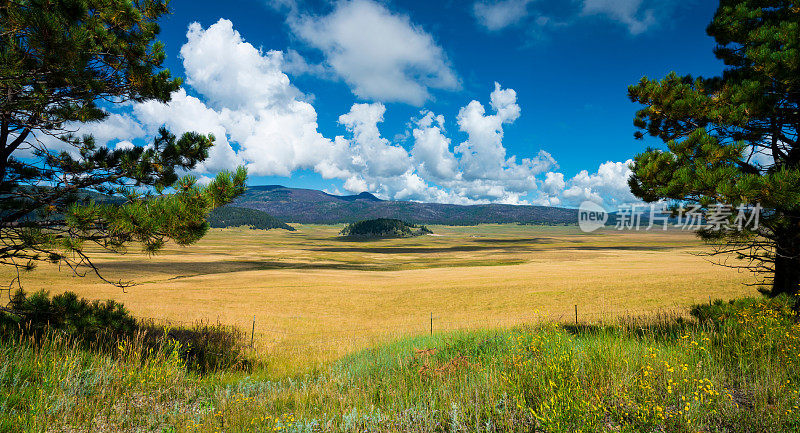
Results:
<point x="63" y="63"/>
<point x="734" y="138"/>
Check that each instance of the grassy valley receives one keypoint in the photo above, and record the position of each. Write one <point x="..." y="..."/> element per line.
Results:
<point x="733" y="367"/>
<point x="317" y="296"/>
<point x="524" y="264"/>
<point x="471" y="330"/>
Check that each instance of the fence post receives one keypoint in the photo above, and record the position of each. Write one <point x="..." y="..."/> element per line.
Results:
<point x="253" y="332"/>
<point x="431" y="322"/>
<point x="576" y="314"/>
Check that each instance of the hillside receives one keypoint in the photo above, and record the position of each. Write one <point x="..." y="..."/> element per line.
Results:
<point x="383" y="228"/>
<point x="232" y="216"/>
<point x="316" y="207"/>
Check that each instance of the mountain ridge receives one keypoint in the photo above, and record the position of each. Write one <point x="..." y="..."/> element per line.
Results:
<point x="309" y="206"/>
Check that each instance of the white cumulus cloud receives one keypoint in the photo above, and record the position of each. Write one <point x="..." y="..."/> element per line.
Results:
<point x="483" y="154"/>
<point x="184" y="113"/>
<point x="431" y="150"/>
<point x="232" y="73"/>
<point x="382" y="55"/>
<point x="367" y="152"/>
<point x="247" y="100"/>
<point x="115" y="127"/>
<point x="608" y="186"/>
<point x="242" y="96"/>
<point x="553" y="183"/>
<point x="476" y="171"/>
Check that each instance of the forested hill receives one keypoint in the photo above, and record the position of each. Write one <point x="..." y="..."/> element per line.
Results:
<point x="383" y="228"/>
<point x="309" y="206"/>
<point x="232" y="216"/>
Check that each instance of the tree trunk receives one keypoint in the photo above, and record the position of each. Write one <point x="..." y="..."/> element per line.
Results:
<point x="787" y="269"/>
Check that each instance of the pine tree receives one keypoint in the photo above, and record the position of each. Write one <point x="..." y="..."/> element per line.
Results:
<point x="734" y="138"/>
<point x="64" y="63"/>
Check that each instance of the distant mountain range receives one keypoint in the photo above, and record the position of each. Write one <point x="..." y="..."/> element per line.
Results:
<point x="308" y="206"/>
<point x="231" y="216"/>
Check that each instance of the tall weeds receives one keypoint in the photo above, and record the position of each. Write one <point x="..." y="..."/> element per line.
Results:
<point x="734" y="368"/>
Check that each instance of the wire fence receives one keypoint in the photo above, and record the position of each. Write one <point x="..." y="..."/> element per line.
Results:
<point x="299" y="333"/>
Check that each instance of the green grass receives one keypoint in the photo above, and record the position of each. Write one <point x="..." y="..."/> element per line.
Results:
<point x="736" y="370"/>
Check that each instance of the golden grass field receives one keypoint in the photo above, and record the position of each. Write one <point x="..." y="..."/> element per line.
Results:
<point x="309" y="290"/>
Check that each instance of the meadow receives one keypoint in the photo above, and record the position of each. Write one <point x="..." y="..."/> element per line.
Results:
<point x="315" y="296"/>
<point x="343" y="339"/>
<point x="735" y="370"/>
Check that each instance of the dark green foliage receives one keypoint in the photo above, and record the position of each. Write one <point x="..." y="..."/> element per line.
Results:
<point x="92" y="321"/>
<point x="58" y="57"/>
<point x="100" y="326"/>
<point x="63" y="63"/>
<point x="383" y="228"/>
<point x="733" y="139"/>
<point x="231" y="216"/>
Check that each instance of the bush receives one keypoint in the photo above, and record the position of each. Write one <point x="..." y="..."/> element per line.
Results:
<point x="204" y="347"/>
<point x="90" y="321"/>
<point x="101" y="326"/>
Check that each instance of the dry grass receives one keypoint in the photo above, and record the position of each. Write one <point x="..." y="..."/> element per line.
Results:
<point x="310" y="291"/>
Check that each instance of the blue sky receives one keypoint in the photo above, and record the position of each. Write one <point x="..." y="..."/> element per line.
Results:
<point x="400" y="97"/>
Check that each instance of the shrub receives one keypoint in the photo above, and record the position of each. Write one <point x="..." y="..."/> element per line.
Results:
<point x="90" y="321"/>
<point x="102" y="326"/>
<point x="204" y="347"/>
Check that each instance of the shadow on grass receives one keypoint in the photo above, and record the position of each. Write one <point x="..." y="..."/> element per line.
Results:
<point x="660" y="327"/>
<point x="407" y="250"/>
<point x="181" y="270"/>
<point x="188" y="269"/>
<point x="500" y="245"/>
<point x="622" y="247"/>
<point x="516" y="240"/>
